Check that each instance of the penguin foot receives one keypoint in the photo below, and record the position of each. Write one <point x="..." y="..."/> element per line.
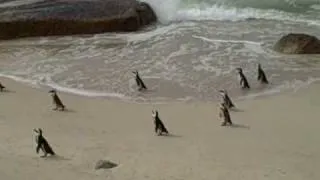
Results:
<point x="142" y="89"/>
<point x="159" y="133"/>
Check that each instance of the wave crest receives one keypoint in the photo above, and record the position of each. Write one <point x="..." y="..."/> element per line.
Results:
<point x="235" y="10"/>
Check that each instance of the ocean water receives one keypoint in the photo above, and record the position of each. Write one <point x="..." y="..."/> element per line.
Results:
<point x="189" y="55"/>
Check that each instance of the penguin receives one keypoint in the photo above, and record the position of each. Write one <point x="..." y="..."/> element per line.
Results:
<point x="1" y="87"/>
<point x="261" y="75"/>
<point x="226" y="99"/>
<point x="159" y="126"/>
<point x="243" y="80"/>
<point x="43" y="144"/>
<point x="139" y="81"/>
<point x="56" y="101"/>
<point x="224" y="113"/>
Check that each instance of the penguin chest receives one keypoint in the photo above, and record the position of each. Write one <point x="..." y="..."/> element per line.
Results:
<point x="240" y="79"/>
<point x="37" y="139"/>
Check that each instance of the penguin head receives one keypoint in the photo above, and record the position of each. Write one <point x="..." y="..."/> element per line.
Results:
<point x="223" y="91"/>
<point x="135" y="72"/>
<point x="35" y="130"/>
<point x="39" y="131"/>
<point x="154" y="113"/>
<point x="53" y="91"/>
<point x="239" y="70"/>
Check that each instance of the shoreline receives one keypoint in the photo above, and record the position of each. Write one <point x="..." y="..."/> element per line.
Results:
<point x="267" y="93"/>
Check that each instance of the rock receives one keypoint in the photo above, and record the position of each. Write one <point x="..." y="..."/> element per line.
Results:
<point x="146" y="14"/>
<point x="298" y="44"/>
<point x="68" y="17"/>
<point x="104" y="164"/>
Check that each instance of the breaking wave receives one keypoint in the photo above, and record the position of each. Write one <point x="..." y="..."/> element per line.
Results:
<point x="235" y="10"/>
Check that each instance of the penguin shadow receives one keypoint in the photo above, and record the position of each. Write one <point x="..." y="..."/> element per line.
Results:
<point x="56" y="158"/>
<point x="262" y="86"/>
<point x="240" y="126"/>
<point x="146" y="91"/>
<point x="171" y="135"/>
<point x="236" y="110"/>
<point x="7" y="91"/>
<point x="245" y="91"/>
<point x="66" y="110"/>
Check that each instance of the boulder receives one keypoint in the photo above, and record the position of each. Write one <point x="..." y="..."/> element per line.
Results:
<point x="104" y="164"/>
<point x="298" y="44"/>
<point x="68" y="17"/>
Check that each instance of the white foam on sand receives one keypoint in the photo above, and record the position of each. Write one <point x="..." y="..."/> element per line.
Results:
<point x="50" y="84"/>
<point x="288" y="86"/>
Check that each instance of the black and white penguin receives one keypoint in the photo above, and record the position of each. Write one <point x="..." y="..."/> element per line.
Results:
<point x="261" y="75"/>
<point x="243" y="80"/>
<point x="159" y="126"/>
<point x="139" y="81"/>
<point x="224" y="113"/>
<point x="56" y="100"/>
<point x="43" y="144"/>
<point x="1" y="87"/>
<point x="226" y="99"/>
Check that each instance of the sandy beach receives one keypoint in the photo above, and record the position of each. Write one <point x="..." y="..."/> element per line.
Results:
<point x="273" y="138"/>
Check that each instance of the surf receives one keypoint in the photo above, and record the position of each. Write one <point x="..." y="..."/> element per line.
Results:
<point x="235" y="10"/>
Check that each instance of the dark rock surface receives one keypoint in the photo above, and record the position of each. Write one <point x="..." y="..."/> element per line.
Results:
<point x="104" y="164"/>
<point x="298" y="44"/>
<point x="67" y="17"/>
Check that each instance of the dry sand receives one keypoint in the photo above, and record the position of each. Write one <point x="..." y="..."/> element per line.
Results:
<point x="274" y="138"/>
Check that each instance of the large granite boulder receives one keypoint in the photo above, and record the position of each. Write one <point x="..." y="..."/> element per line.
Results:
<point x="67" y="17"/>
<point x="298" y="44"/>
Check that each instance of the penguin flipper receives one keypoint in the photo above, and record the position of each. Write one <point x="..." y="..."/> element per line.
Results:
<point x="50" y="151"/>
<point x="138" y="82"/>
<point x="264" y="78"/>
<point x="163" y="128"/>
<point x="59" y="102"/>
<point x="229" y="102"/>
<point x="142" y="85"/>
